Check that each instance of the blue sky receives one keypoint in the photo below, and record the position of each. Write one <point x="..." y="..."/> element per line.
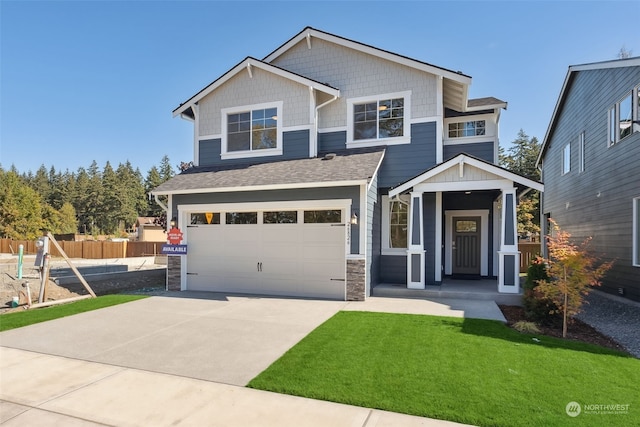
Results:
<point x="97" y="80"/>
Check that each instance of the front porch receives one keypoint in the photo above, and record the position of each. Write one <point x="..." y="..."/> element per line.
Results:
<point x="484" y="290"/>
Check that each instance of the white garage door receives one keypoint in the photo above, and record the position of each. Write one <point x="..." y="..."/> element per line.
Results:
<point x="285" y="252"/>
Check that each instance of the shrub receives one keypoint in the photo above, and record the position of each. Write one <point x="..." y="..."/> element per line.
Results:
<point x="526" y="327"/>
<point x="537" y="308"/>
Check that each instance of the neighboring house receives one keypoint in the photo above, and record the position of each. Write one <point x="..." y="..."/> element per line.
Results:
<point x="147" y="230"/>
<point x="331" y="166"/>
<point x="590" y="161"/>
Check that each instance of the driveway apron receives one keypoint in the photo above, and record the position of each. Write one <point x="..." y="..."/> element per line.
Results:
<point x="214" y="337"/>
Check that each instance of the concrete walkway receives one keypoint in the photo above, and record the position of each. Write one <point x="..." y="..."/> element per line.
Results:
<point x="183" y="359"/>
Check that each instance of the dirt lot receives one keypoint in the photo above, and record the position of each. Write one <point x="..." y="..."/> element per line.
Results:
<point x="150" y="279"/>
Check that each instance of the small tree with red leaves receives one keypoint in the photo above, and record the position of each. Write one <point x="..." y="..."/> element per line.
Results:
<point x="573" y="273"/>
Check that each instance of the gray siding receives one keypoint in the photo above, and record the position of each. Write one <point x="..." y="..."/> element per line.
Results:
<point x="481" y="150"/>
<point x="332" y="141"/>
<point x="596" y="203"/>
<point x="393" y="269"/>
<point x="402" y="162"/>
<point x="352" y="193"/>
<point x="429" y="236"/>
<point x="295" y="145"/>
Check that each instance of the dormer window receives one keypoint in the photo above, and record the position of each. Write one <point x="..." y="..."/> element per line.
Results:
<point x="380" y="120"/>
<point x="252" y="131"/>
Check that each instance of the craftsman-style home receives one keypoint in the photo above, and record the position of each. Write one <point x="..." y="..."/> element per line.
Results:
<point x="331" y="166"/>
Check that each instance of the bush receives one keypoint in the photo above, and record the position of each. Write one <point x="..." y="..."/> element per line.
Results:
<point x="526" y="327"/>
<point x="537" y="308"/>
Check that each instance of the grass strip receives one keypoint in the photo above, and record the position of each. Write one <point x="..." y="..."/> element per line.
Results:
<point x="29" y="317"/>
<point x="471" y="371"/>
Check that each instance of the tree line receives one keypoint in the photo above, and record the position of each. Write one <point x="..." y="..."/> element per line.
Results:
<point x="108" y="201"/>
<point x="89" y="201"/>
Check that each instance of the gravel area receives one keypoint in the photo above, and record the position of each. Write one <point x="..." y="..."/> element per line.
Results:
<point x="615" y="317"/>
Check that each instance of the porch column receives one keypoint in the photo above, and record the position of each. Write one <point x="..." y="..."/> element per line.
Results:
<point x="415" y="251"/>
<point x="508" y="255"/>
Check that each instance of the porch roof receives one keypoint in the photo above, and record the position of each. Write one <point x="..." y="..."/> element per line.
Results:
<point x="465" y="172"/>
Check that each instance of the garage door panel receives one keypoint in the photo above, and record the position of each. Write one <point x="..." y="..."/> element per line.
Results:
<point x="306" y="260"/>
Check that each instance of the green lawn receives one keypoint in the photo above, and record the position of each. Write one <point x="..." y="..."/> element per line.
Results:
<point x="37" y="315"/>
<point x="466" y="370"/>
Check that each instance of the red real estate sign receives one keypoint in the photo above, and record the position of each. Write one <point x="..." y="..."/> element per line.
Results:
<point x="174" y="236"/>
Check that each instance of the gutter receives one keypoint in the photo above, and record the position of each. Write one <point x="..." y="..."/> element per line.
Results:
<point x="315" y="125"/>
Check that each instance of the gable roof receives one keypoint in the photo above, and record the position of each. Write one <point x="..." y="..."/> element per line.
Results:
<point x="573" y="69"/>
<point x="346" y="167"/>
<point x="246" y="64"/>
<point x="456" y="84"/>
<point x="460" y="161"/>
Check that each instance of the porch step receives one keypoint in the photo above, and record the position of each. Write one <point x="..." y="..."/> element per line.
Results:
<point x="447" y="291"/>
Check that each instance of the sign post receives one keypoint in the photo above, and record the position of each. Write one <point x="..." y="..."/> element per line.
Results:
<point x="174" y="237"/>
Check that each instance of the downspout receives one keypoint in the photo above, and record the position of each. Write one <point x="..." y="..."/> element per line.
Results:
<point x="315" y="125"/>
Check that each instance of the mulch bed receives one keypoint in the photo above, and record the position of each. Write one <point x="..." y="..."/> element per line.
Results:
<point x="577" y="330"/>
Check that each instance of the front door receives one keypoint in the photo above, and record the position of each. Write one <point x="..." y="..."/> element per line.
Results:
<point x="466" y="246"/>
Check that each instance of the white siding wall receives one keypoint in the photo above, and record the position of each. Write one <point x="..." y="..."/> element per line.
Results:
<point x="344" y="69"/>
<point x="264" y="87"/>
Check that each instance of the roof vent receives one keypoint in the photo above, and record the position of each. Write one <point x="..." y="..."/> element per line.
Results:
<point x="329" y="156"/>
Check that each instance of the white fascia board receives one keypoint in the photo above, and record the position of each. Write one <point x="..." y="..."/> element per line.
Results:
<point x="498" y="106"/>
<point x="263" y="66"/>
<point x="265" y="187"/>
<point x="375" y="172"/>
<point x="462" y="159"/>
<point x="399" y="59"/>
<point x="614" y="63"/>
<point x="490" y="184"/>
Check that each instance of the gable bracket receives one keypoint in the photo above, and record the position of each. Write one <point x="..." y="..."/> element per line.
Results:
<point x="249" y="70"/>
<point x="309" y="40"/>
<point x="461" y="167"/>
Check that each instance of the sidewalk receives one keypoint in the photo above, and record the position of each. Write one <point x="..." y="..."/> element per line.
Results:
<point x="38" y="389"/>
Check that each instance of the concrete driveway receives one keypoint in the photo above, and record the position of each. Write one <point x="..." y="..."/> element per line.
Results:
<point x="213" y="337"/>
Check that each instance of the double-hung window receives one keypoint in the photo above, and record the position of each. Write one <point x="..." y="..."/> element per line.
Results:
<point x="380" y="120"/>
<point x="252" y="131"/>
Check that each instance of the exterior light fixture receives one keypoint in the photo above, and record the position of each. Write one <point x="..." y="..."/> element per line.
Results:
<point x="173" y="222"/>
<point x="354" y="219"/>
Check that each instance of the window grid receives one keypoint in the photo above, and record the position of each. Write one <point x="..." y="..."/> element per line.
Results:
<point x="378" y="119"/>
<point x="252" y="130"/>
<point x="463" y="129"/>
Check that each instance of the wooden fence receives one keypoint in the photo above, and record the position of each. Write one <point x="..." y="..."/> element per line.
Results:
<point x="89" y="249"/>
<point x="528" y="252"/>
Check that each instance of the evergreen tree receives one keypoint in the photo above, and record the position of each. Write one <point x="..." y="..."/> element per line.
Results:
<point x="109" y="215"/>
<point x="21" y="215"/>
<point x="152" y="181"/>
<point x="166" y="170"/>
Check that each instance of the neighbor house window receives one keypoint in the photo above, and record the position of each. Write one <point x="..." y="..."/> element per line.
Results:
<point x="380" y="120"/>
<point x="395" y="225"/>
<point x="566" y="159"/>
<point x="581" y="140"/>
<point x="462" y="129"/>
<point x="623" y="117"/>
<point x="252" y="131"/>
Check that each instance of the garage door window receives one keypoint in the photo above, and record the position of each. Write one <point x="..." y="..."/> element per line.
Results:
<point x="280" y="217"/>
<point x="242" y="217"/>
<point x="323" y="216"/>
<point x="205" y="218"/>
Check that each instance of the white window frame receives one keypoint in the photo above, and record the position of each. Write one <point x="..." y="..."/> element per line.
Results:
<point x="406" y="131"/>
<point x="613" y="117"/>
<point x="566" y="159"/>
<point x="636" y="232"/>
<point x="386" y="224"/>
<point x="225" y="112"/>
<point x="581" y="148"/>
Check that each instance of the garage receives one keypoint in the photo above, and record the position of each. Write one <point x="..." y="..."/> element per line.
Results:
<point x="278" y="249"/>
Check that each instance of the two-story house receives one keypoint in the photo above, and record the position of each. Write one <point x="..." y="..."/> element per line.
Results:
<point x="331" y="166"/>
<point x="590" y="161"/>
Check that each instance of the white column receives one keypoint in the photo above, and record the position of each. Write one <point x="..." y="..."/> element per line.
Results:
<point x="415" y="251"/>
<point x="508" y="255"/>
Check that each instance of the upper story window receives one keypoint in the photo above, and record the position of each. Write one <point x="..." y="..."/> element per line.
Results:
<point x="462" y="129"/>
<point x="382" y="120"/>
<point x="566" y="159"/>
<point x="252" y="131"/>
<point x="623" y="117"/>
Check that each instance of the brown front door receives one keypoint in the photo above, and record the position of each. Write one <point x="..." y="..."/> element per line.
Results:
<point x="466" y="246"/>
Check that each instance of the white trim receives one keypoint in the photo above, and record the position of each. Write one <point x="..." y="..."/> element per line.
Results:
<point x="373" y="142"/>
<point x="333" y="129"/>
<point x="461" y="158"/>
<point x="311" y="32"/>
<point x="196" y="131"/>
<point x="297" y="128"/>
<point x="245" y="64"/>
<point x="429" y="119"/>
<point x="266" y="187"/>
<point x="635" y="261"/>
<point x="439" y="121"/>
<point x="224" y="113"/>
<point x="386" y="224"/>
<point x="484" y="238"/>
<point x="491" y="184"/>
<point x="210" y="137"/>
<point x="581" y="152"/>
<point x="362" y="221"/>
